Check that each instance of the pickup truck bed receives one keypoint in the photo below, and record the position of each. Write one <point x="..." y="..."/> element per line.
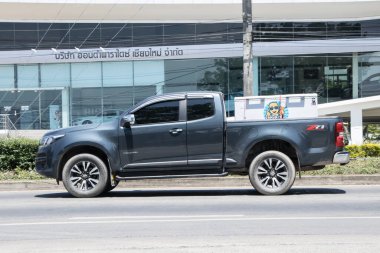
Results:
<point x="313" y="147"/>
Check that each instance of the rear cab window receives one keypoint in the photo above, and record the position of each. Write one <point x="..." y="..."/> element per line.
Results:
<point x="200" y="108"/>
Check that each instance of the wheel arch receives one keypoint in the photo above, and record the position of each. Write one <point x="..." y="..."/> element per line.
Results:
<point x="277" y="144"/>
<point x="82" y="149"/>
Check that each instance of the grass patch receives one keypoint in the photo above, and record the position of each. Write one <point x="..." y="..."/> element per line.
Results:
<point x="358" y="166"/>
<point x="19" y="174"/>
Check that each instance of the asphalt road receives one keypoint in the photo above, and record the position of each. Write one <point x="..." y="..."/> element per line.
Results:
<point x="308" y="219"/>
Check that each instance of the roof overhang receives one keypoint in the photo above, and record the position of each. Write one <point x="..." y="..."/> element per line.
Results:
<point x="370" y="107"/>
<point x="186" y="10"/>
<point x="331" y="46"/>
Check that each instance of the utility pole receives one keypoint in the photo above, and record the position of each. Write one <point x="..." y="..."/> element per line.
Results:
<point x="247" y="48"/>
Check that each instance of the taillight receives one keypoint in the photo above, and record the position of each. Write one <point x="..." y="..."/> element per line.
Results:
<point x="339" y="138"/>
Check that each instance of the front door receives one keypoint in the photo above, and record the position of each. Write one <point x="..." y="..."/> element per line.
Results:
<point x="157" y="140"/>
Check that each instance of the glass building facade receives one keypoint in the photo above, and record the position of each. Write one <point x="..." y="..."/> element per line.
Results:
<point x="52" y="95"/>
<point x="24" y="36"/>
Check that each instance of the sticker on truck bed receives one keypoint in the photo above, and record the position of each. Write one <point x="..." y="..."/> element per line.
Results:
<point x="274" y="110"/>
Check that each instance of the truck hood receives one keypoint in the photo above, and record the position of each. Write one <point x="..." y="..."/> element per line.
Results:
<point x="86" y="127"/>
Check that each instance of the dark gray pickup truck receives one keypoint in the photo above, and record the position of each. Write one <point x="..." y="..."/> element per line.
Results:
<point x="188" y="135"/>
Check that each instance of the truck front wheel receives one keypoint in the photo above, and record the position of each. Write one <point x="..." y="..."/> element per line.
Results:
<point x="272" y="173"/>
<point x="85" y="176"/>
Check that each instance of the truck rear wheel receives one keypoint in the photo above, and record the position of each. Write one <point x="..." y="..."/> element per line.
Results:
<point x="85" y="176"/>
<point x="272" y="173"/>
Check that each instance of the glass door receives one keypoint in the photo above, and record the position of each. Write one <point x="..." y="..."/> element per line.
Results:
<point x="32" y="109"/>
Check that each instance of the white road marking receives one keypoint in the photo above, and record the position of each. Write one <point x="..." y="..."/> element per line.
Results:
<point x="184" y="219"/>
<point x="153" y="217"/>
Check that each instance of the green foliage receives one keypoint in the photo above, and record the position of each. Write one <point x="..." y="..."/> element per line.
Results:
<point x="372" y="150"/>
<point x="355" y="151"/>
<point x="365" y="150"/>
<point x="18" y="153"/>
<point x="371" y="132"/>
<point x="366" y="161"/>
<point x="359" y="166"/>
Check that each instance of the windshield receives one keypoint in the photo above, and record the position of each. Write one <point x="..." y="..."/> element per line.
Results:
<point x="130" y="109"/>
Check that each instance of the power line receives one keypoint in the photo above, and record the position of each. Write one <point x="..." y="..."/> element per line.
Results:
<point x="88" y="36"/>
<point x="68" y="31"/>
<point x="93" y="30"/>
<point x="115" y="35"/>
<point x="51" y="24"/>
<point x="145" y="87"/>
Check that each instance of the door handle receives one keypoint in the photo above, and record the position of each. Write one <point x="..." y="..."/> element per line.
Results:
<point x="175" y="130"/>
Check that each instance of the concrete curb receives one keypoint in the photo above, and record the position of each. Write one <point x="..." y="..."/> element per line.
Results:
<point x="230" y="181"/>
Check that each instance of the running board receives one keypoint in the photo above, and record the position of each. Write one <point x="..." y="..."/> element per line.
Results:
<point x="171" y="176"/>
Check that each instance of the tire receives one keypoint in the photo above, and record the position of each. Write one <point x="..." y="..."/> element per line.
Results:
<point x="272" y="173"/>
<point x="86" y="122"/>
<point x="85" y="176"/>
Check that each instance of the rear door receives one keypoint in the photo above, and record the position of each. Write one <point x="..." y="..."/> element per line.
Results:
<point x="205" y="127"/>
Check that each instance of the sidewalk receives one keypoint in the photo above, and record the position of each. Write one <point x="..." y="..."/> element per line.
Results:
<point x="229" y="181"/>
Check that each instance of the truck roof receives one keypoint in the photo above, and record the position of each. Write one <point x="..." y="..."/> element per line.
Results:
<point x="172" y="96"/>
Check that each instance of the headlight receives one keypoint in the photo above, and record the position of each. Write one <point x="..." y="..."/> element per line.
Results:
<point x="49" y="139"/>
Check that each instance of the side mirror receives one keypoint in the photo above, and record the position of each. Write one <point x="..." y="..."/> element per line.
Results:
<point x="128" y="120"/>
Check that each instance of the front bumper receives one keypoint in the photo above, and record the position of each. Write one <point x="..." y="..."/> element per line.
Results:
<point x="43" y="164"/>
<point x="342" y="157"/>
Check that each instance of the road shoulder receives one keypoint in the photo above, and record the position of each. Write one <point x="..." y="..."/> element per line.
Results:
<point x="229" y="181"/>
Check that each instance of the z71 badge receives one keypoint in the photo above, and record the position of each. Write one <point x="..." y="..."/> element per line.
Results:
<point x="315" y="128"/>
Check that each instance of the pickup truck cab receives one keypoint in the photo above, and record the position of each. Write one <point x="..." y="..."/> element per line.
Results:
<point x="188" y="135"/>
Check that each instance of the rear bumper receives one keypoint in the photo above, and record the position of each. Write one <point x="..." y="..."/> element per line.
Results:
<point x="342" y="157"/>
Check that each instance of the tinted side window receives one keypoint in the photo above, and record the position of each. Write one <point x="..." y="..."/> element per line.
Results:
<point x="199" y="108"/>
<point x="167" y="111"/>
